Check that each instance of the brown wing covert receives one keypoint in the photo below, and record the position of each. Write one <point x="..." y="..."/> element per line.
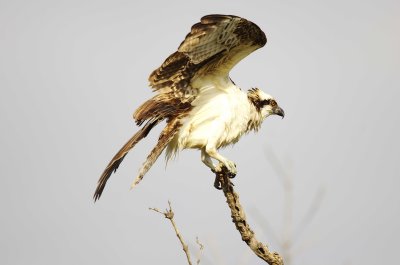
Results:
<point x="214" y="45"/>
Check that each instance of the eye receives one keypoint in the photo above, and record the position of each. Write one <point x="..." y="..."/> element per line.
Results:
<point x="273" y="103"/>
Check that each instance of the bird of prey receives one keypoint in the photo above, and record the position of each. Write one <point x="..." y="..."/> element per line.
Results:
<point x="202" y="106"/>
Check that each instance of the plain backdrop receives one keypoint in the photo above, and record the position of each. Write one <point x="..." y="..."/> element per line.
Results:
<point x="73" y="72"/>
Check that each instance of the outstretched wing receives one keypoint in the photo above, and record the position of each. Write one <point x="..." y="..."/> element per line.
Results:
<point x="214" y="45"/>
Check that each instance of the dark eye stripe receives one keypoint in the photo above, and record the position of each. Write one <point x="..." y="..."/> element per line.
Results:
<point x="265" y="102"/>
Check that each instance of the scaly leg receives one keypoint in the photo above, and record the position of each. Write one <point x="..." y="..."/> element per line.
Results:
<point x="206" y="159"/>
<point x="211" y="151"/>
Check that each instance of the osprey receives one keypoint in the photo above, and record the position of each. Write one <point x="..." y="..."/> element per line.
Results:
<point x="202" y="106"/>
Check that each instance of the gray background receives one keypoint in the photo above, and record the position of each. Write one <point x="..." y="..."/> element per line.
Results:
<point x="72" y="73"/>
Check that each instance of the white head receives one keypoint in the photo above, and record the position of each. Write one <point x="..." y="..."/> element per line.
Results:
<point x="265" y="104"/>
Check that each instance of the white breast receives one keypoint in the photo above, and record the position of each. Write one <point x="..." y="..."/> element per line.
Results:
<point x="220" y="116"/>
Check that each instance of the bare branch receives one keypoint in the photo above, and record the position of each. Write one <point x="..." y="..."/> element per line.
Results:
<point x="239" y="219"/>
<point x="169" y="214"/>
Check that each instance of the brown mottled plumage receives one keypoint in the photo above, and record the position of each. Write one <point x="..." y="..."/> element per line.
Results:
<point x="214" y="45"/>
<point x="211" y="49"/>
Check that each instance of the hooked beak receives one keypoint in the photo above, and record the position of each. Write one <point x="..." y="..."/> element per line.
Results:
<point x="279" y="111"/>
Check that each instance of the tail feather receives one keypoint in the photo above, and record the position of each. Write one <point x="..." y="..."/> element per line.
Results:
<point x="117" y="159"/>
<point x="166" y="136"/>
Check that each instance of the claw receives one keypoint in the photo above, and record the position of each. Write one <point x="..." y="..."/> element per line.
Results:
<point x="219" y="178"/>
<point x="218" y="168"/>
<point x="217" y="183"/>
<point x="232" y="169"/>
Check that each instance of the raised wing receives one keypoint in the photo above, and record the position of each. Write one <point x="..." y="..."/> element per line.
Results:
<point x="214" y="45"/>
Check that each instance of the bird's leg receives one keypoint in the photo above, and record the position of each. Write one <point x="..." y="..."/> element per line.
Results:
<point x="211" y="151"/>
<point x="206" y="159"/>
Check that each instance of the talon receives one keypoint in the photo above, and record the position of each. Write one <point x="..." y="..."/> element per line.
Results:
<point x="232" y="169"/>
<point x="217" y="183"/>
<point x="218" y="168"/>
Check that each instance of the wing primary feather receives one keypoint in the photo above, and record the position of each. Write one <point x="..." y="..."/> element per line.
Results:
<point x="117" y="159"/>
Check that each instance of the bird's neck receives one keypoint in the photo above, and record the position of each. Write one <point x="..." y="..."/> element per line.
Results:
<point x="255" y="118"/>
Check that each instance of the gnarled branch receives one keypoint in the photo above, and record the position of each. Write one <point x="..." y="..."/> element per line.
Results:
<point x="239" y="219"/>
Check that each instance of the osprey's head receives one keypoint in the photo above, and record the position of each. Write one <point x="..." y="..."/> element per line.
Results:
<point x="265" y="104"/>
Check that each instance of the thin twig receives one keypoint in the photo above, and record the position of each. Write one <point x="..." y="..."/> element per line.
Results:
<point x="169" y="214"/>
<point x="239" y="219"/>
<point x="292" y="237"/>
<point x="311" y="212"/>
<point x="201" y="247"/>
